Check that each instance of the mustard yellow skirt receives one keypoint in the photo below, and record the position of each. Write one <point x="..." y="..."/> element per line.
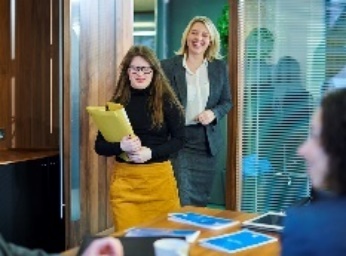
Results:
<point x="142" y="192"/>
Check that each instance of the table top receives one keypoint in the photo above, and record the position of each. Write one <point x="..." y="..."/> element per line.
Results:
<point x="271" y="249"/>
<point x="10" y="156"/>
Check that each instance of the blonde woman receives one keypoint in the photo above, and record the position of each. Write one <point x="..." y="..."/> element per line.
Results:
<point x="200" y="80"/>
<point x="144" y="187"/>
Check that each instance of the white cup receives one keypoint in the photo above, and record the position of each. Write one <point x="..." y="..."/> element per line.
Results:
<point x="171" y="247"/>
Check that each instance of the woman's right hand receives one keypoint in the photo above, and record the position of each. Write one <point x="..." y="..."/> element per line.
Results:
<point x="130" y="144"/>
<point x="105" y="246"/>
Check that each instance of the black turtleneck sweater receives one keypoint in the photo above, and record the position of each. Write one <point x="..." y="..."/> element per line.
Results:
<point x="163" y="141"/>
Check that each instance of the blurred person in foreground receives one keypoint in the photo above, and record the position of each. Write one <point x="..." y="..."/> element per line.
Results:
<point x="319" y="228"/>
<point x="106" y="246"/>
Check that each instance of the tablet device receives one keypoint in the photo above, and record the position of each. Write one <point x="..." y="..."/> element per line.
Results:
<point x="270" y="221"/>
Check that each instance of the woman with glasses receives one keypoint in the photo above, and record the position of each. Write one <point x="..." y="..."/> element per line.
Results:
<point x="200" y="80"/>
<point x="320" y="227"/>
<point x="144" y="187"/>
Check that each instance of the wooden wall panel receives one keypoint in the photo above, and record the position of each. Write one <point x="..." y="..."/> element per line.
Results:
<point x="233" y="122"/>
<point x="69" y="226"/>
<point x="105" y="36"/>
<point x="32" y="76"/>
<point x="89" y="86"/>
<point x="107" y="81"/>
<point x="53" y="139"/>
<point x="124" y="28"/>
<point x="5" y="72"/>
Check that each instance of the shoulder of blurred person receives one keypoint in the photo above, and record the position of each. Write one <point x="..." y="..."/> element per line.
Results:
<point x="104" y="246"/>
<point x="316" y="229"/>
<point x="9" y="249"/>
<point x="320" y="228"/>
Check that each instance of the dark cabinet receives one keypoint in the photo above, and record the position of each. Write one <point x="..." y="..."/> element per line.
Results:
<point x="30" y="201"/>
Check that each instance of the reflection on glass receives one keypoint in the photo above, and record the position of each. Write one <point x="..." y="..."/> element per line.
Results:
<point x="335" y="44"/>
<point x="283" y="79"/>
<point x="75" y="99"/>
<point x="144" y="29"/>
<point x="291" y="108"/>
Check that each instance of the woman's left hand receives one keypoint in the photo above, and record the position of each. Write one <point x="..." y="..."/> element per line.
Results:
<point x="140" y="156"/>
<point x="206" y="117"/>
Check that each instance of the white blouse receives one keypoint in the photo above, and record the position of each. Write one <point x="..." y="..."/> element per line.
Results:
<point x="197" y="91"/>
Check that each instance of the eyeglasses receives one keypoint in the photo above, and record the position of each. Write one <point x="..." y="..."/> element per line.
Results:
<point x="136" y="69"/>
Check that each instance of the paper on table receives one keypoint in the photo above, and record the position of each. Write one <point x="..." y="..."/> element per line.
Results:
<point x="190" y="235"/>
<point x="113" y="123"/>
<point x="237" y="241"/>
<point x="202" y="220"/>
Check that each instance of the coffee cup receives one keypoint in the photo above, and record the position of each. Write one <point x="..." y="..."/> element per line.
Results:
<point x="171" y="247"/>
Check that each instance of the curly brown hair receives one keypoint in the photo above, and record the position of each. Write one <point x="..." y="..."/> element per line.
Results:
<point x="333" y="138"/>
<point x="160" y="88"/>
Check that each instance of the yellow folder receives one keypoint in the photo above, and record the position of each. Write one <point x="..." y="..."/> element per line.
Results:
<point x="112" y="123"/>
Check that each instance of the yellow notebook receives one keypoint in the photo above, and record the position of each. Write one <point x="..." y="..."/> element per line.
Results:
<point x="112" y="123"/>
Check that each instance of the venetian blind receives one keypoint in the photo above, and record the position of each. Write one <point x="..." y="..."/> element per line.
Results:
<point x="290" y="52"/>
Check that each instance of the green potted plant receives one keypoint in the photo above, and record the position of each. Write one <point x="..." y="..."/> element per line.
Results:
<point x="222" y="26"/>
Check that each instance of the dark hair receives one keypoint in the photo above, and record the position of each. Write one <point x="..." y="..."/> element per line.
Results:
<point x="333" y="138"/>
<point x="288" y="71"/>
<point x="160" y="89"/>
<point x="262" y="37"/>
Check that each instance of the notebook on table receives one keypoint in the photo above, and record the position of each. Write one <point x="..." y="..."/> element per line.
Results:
<point x="133" y="246"/>
<point x="238" y="241"/>
<point x="190" y="235"/>
<point x="202" y="220"/>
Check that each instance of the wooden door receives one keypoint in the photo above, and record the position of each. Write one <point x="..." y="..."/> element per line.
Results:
<point x="5" y="72"/>
<point x="96" y="37"/>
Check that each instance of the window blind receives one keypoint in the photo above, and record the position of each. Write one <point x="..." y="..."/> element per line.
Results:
<point x="290" y="53"/>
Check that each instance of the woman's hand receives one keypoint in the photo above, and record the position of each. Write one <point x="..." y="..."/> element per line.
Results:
<point x="140" y="156"/>
<point x="130" y="144"/>
<point x="206" y="117"/>
<point x="106" y="246"/>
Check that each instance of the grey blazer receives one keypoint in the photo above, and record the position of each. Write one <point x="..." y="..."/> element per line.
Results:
<point x="219" y="100"/>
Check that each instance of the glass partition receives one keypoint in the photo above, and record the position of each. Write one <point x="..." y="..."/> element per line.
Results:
<point x="283" y="63"/>
<point x="75" y="112"/>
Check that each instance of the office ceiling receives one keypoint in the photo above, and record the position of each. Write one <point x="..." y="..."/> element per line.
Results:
<point x="144" y="5"/>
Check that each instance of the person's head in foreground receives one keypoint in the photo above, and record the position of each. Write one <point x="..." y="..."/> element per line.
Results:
<point x="325" y="150"/>
<point x="319" y="228"/>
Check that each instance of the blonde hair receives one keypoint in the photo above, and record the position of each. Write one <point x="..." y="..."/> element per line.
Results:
<point x="213" y="50"/>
